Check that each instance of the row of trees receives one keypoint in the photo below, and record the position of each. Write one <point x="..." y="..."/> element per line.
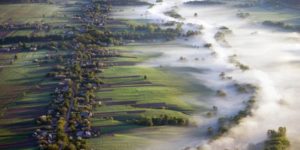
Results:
<point x="141" y="32"/>
<point x="127" y="2"/>
<point x="289" y="2"/>
<point x="30" y="39"/>
<point x="282" y="25"/>
<point x="225" y="123"/>
<point x="98" y="37"/>
<point x="162" y="120"/>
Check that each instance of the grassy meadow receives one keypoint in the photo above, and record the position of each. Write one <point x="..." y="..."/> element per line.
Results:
<point x="125" y="82"/>
<point x="24" y="96"/>
<point x="36" y="13"/>
<point x="29" y="13"/>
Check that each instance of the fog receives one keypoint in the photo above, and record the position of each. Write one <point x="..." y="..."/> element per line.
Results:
<point x="273" y="57"/>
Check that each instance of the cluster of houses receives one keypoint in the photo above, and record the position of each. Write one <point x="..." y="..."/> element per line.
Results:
<point x="73" y="98"/>
<point x="68" y="119"/>
<point x="18" y="47"/>
<point x="94" y="14"/>
<point x="40" y="26"/>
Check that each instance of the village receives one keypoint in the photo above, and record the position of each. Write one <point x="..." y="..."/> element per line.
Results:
<point x="76" y="58"/>
<point x="83" y="75"/>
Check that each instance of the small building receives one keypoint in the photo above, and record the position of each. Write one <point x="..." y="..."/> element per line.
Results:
<point x="86" y="114"/>
<point x="84" y="134"/>
<point x="60" y="76"/>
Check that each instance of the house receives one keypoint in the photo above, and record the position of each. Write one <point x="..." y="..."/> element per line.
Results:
<point x="84" y="134"/>
<point x="79" y="134"/>
<point x="36" y="60"/>
<point x="59" y="100"/>
<point x="65" y="89"/>
<point x="87" y="134"/>
<point x="34" y="48"/>
<point x="81" y="99"/>
<point x="86" y="114"/>
<point x="50" y="111"/>
<point x="60" y="76"/>
<point x="4" y="49"/>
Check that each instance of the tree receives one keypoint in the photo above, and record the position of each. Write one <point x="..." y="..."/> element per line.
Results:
<point x="53" y="147"/>
<point x="210" y="131"/>
<point x="132" y="27"/>
<point x="179" y="27"/>
<point x="150" y="28"/>
<point x="71" y="146"/>
<point x="277" y="140"/>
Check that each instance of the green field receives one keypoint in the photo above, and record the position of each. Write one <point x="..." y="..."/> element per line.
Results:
<point x="29" y="13"/>
<point x="22" y="96"/>
<point x="288" y="16"/>
<point x="39" y="13"/>
<point x="119" y="132"/>
<point x="137" y="138"/>
<point x="165" y="91"/>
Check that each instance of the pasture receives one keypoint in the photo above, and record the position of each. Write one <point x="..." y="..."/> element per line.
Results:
<point x="288" y="16"/>
<point x="24" y="95"/>
<point x="28" y="13"/>
<point x="132" y="92"/>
